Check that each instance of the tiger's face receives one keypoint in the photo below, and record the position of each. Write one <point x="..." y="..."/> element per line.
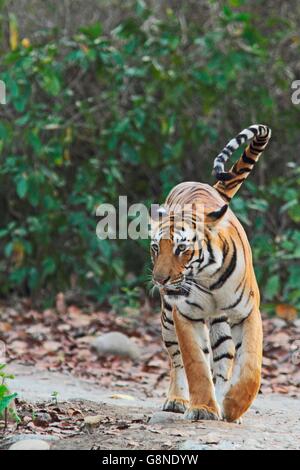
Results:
<point x="178" y="250"/>
<point x="172" y="258"/>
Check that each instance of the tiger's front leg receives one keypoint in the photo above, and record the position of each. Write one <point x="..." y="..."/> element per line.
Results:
<point x="194" y="341"/>
<point x="177" y="397"/>
<point x="223" y="351"/>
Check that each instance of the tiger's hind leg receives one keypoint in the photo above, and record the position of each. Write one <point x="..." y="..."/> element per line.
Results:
<point x="177" y="397"/>
<point x="246" y="376"/>
<point x="194" y="346"/>
<point x="223" y="352"/>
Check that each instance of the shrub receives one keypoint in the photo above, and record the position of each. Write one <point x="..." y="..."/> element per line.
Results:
<point x="134" y="112"/>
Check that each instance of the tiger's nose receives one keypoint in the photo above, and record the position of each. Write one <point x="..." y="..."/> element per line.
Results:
<point x="161" y="278"/>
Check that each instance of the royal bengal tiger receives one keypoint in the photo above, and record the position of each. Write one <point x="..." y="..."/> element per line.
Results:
<point x="211" y="323"/>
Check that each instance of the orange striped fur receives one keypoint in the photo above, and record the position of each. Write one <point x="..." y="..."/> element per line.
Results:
<point x="211" y="322"/>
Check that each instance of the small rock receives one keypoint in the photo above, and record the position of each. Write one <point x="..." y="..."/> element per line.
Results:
<point x="5" y="443"/>
<point x="51" y="346"/>
<point x="211" y="439"/>
<point x="122" y="396"/>
<point x="163" y="417"/>
<point x="92" y="421"/>
<point x="42" y="419"/>
<point x="30" y="444"/>
<point x="192" y="445"/>
<point x="279" y="323"/>
<point x="117" y="344"/>
<point x="297" y="323"/>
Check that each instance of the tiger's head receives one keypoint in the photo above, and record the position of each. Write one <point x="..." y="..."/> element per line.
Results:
<point x="179" y="246"/>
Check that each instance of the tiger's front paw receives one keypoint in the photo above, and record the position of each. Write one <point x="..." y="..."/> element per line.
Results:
<point x="202" y="413"/>
<point x="176" y="405"/>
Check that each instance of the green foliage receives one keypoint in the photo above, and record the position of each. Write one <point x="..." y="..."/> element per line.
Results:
<point x="272" y="215"/>
<point x="135" y="111"/>
<point x="5" y="396"/>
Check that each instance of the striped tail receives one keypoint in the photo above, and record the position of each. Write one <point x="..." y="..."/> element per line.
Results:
<point x="230" y="182"/>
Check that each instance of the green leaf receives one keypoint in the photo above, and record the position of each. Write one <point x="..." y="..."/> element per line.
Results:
<point x="294" y="213"/>
<point x="5" y="401"/>
<point x="92" y="31"/>
<point x="51" y="82"/>
<point x="22" y="186"/>
<point x="272" y="287"/>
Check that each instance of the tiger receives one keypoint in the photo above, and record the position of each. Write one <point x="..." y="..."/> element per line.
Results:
<point x="210" y="300"/>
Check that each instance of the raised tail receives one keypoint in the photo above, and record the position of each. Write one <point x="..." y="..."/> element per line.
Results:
<point x="230" y="182"/>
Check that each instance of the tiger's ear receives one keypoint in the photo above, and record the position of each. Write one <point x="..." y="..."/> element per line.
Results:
<point x="214" y="217"/>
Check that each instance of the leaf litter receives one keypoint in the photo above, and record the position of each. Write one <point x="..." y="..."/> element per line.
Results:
<point x="59" y="339"/>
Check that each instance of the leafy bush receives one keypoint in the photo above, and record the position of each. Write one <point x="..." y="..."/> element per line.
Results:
<point x="6" y="397"/>
<point x="134" y="112"/>
<point x="273" y="214"/>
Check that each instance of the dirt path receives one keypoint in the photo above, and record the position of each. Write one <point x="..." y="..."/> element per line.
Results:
<point x="130" y="420"/>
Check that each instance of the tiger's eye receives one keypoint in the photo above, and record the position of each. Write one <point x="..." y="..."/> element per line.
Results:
<point x="181" y="247"/>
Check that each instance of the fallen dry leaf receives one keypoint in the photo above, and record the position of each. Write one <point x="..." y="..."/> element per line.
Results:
<point x="121" y="396"/>
<point x="286" y="312"/>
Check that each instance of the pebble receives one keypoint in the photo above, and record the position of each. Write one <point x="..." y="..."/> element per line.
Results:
<point x="92" y="421"/>
<point x="192" y="445"/>
<point x="30" y="444"/>
<point x="163" y="417"/>
<point x="7" y="442"/>
<point x="42" y="419"/>
<point x="297" y="323"/>
<point x="117" y="344"/>
<point x="279" y="323"/>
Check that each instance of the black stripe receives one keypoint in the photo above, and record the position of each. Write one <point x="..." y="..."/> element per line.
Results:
<point x="226" y="151"/>
<point x="224" y="176"/>
<point x="254" y="153"/>
<point x="243" y="319"/>
<point x="223" y="356"/>
<point x="167" y="320"/>
<point x="253" y="129"/>
<point x="191" y="282"/>
<point x="238" y="345"/>
<point x="248" y="160"/>
<point x="219" y="320"/>
<point x="229" y="270"/>
<point x="242" y="243"/>
<point x="257" y="146"/>
<point x="224" y="196"/>
<point x="194" y="304"/>
<point x="241" y="138"/>
<point x="168" y="344"/>
<point x="236" y="302"/>
<point x="175" y="353"/>
<point x="164" y="324"/>
<point x="234" y="183"/>
<point x="222" y="377"/>
<point x="167" y="306"/>
<point x="192" y="319"/>
<point x="212" y="258"/>
<point x="244" y="170"/>
<point x="225" y="251"/>
<point x="220" y="341"/>
<point x="242" y="281"/>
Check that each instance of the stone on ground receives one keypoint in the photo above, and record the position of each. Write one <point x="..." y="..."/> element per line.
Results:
<point x="116" y="344"/>
<point x="163" y="417"/>
<point x="30" y="444"/>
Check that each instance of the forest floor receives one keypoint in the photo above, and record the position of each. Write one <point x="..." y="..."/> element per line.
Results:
<point x="73" y="399"/>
